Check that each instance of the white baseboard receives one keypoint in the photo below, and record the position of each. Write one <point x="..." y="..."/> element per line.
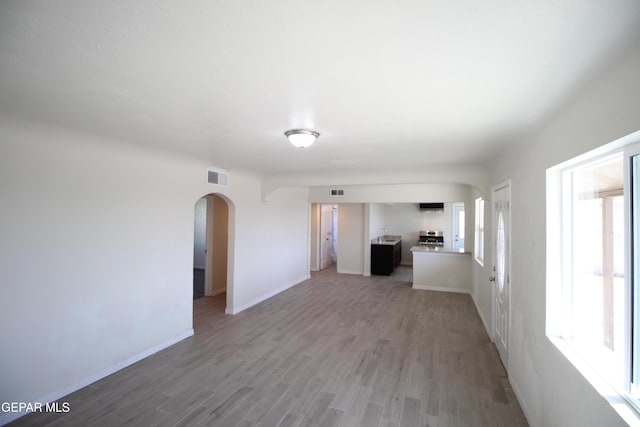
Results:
<point x="484" y="321"/>
<point x="52" y="397"/>
<point x="458" y="290"/>
<point x="236" y="310"/>
<point x="358" y="273"/>
<point x="521" y="401"/>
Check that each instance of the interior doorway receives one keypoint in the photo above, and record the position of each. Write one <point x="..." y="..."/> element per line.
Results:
<point x="458" y="225"/>
<point x="211" y="249"/>
<point x="199" y="246"/>
<point x="328" y="235"/>
<point x="324" y="236"/>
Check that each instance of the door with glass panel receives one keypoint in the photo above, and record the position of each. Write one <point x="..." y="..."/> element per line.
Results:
<point x="501" y="265"/>
<point x="458" y="226"/>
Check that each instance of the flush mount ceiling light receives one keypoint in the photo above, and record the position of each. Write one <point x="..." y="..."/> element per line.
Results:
<point x="301" y="138"/>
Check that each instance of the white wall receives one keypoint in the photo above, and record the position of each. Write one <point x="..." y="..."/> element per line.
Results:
<point x="550" y="389"/>
<point x="396" y="193"/>
<point x="96" y="254"/>
<point x="272" y="242"/>
<point x="96" y="258"/>
<point x="474" y="175"/>
<point x="351" y="237"/>
<point x="376" y="220"/>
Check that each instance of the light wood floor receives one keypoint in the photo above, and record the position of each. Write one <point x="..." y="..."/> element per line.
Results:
<point x="336" y="350"/>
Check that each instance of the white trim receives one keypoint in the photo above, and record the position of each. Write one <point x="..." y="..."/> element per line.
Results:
<point x="632" y="361"/>
<point x="52" y="397"/>
<point x="457" y="290"/>
<point x="484" y="321"/>
<point x="358" y="273"/>
<point x="236" y="310"/>
<point x="521" y="401"/>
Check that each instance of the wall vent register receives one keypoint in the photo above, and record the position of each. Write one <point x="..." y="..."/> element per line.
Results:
<point x="337" y="192"/>
<point x="218" y="177"/>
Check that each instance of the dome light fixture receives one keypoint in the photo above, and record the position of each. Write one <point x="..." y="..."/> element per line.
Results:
<point x="301" y="138"/>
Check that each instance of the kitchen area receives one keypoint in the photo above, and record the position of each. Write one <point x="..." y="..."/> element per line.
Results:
<point x="395" y="223"/>
<point x="429" y="237"/>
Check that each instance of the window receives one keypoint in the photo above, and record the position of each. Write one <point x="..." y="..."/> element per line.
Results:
<point x="594" y="259"/>
<point x="591" y="241"/>
<point x="478" y="251"/>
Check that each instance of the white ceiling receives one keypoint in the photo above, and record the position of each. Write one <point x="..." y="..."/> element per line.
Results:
<point x="388" y="84"/>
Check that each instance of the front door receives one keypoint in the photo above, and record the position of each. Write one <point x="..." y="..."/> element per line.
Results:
<point x="501" y="266"/>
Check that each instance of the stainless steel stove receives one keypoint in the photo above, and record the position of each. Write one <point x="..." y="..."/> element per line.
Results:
<point x="431" y="238"/>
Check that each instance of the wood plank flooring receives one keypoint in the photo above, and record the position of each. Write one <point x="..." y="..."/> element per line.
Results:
<point x="336" y="350"/>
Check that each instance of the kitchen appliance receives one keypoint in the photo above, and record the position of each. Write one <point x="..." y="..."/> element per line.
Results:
<point x="431" y="206"/>
<point x="431" y="238"/>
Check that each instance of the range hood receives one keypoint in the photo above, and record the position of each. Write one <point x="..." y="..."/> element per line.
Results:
<point x="431" y="206"/>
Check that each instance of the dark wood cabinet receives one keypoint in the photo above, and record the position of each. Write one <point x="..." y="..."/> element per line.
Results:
<point x="385" y="258"/>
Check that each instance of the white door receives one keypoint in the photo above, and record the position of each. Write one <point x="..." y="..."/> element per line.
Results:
<point x="458" y="226"/>
<point x="501" y="269"/>
<point x="326" y="235"/>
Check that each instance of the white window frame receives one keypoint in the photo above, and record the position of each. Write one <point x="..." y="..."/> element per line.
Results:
<point x="623" y="396"/>
<point x="632" y="271"/>
<point x="478" y="248"/>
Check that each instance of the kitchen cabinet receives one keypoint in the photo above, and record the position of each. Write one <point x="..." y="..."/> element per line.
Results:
<point x="386" y="254"/>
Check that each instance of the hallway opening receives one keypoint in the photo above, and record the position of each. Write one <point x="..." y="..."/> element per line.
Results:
<point x="324" y="236"/>
<point x="212" y="243"/>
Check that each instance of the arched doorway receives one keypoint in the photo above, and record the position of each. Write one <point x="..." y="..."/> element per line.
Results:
<point x="212" y="253"/>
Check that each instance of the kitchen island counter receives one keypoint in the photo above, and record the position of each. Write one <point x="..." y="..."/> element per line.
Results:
<point x="441" y="269"/>
<point x="438" y="250"/>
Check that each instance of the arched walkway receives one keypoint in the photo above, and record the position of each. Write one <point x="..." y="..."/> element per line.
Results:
<point x="214" y="220"/>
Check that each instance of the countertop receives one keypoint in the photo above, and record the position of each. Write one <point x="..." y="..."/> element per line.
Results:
<point x="386" y="240"/>
<point x="440" y="250"/>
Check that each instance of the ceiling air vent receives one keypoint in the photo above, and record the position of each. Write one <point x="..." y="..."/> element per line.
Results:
<point x="337" y="192"/>
<point x="218" y="177"/>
